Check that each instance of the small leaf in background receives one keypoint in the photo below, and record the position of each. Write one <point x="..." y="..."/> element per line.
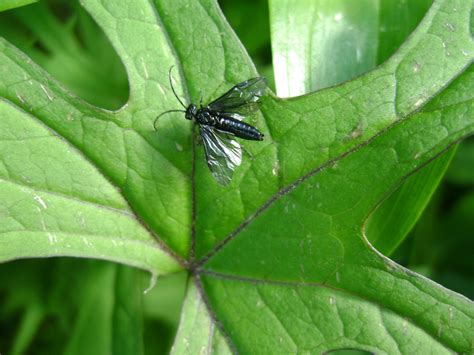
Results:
<point x="198" y="331"/>
<point x="72" y="48"/>
<point x="460" y="171"/>
<point x="162" y="308"/>
<point x="12" y="4"/>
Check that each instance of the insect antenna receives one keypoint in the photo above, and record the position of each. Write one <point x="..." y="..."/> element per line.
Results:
<point x="164" y="113"/>
<point x="172" y="87"/>
<point x="175" y="95"/>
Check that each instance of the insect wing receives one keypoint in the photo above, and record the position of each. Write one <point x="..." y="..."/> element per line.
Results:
<point x="223" y="154"/>
<point x="242" y="97"/>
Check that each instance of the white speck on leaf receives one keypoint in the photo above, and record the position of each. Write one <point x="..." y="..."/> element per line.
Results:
<point x="145" y="70"/>
<point x="160" y="88"/>
<point x="46" y="92"/>
<point x="52" y="238"/>
<point x="450" y="26"/>
<point x="40" y="201"/>
<point x="275" y="168"/>
<point x="179" y="147"/>
<point x="404" y="325"/>
<point x="358" y="131"/>
<point x="331" y="300"/>
<point x="419" y="102"/>
<point x="338" y="279"/>
<point x="416" y="67"/>
<point x="22" y="100"/>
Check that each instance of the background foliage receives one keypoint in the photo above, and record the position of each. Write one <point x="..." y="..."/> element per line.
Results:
<point x="40" y="299"/>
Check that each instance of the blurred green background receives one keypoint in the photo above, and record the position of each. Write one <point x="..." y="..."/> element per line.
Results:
<point x="40" y="300"/>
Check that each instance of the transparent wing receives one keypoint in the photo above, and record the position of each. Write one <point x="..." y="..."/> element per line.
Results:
<point x="242" y="97"/>
<point x="223" y="154"/>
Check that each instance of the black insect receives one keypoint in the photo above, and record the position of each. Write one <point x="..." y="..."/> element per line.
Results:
<point x="221" y="120"/>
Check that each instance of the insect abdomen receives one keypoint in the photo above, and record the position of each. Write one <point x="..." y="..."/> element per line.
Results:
<point x="240" y="129"/>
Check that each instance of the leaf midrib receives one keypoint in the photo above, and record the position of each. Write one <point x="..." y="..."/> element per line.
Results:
<point x="288" y="188"/>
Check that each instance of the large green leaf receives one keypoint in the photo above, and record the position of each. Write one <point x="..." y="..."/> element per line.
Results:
<point x="279" y="256"/>
<point x="331" y="42"/>
<point x="333" y="263"/>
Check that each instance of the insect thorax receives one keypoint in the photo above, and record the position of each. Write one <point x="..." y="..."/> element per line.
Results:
<point x="203" y="116"/>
